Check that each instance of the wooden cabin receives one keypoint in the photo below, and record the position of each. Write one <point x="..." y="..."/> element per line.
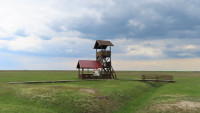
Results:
<point x="84" y="66"/>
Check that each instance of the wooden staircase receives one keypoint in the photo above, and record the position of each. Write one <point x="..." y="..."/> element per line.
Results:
<point x="107" y="67"/>
<point x="113" y="74"/>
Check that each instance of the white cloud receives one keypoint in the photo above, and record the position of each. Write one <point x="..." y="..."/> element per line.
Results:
<point x="157" y="48"/>
<point x="186" y="64"/>
<point x="57" y="44"/>
<point x="140" y="50"/>
<point x="30" y="44"/>
<point x="47" y="63"/>
<point x="46" y="26"/>
<point x="40" y="17"/>
<point x="190" y="47"/>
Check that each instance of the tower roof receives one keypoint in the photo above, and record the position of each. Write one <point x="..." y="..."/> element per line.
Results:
<point x="102" y="44"/>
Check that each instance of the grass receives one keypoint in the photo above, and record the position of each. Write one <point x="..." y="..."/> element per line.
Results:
<point x="186" y="88"/>
<point x="107" y="96"/>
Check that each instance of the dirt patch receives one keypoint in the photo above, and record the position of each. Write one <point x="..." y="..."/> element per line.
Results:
<point x="175" y="96"/>
<point x="188" y="105"/>
<point x="88" y="90"/>
<point x="59" y="87"/>
<point x="180" y="106"/>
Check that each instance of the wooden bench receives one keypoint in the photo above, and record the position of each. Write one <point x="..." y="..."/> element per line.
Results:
<point x="157" y="77"/>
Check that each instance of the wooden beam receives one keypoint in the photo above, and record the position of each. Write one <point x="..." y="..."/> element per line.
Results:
<point x="32" y="82"/>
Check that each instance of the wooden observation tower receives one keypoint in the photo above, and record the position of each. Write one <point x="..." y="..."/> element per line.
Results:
<point x="103" y="55"/>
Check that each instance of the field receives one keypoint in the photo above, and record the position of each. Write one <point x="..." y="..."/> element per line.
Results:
<point x="104" y="96"/>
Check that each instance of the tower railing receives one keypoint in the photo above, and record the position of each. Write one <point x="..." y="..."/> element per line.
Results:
<point x="103" y="53"/>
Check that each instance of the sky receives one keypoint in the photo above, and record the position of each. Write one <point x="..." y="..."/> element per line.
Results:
<point x="148" y="35"/>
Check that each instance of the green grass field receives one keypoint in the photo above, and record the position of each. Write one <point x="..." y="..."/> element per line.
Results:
<point x="105" y="96"/>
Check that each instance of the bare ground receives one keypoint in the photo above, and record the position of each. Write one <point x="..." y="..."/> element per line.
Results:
<point x="181" y="106"/>
<point x="88" y="90"/>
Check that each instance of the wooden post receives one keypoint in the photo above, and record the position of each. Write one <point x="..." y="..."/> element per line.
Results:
<point x="110" y="56"/>
<point x="96" y="54"/>
<point x="156" y="78"/>
<point x="101" y="51"/>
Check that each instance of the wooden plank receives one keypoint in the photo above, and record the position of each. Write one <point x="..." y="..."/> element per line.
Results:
<point x="33" y="82"/>
<point x="63" y="81"/>
<point x="57" y="81"/>
<point x="171" y="81"/>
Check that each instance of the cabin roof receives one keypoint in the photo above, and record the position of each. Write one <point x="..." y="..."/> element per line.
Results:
<point x="89" y="64"/>
<point x="102" y="44"/>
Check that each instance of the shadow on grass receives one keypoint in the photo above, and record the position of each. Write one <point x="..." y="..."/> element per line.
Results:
<point x="155" y="84"/>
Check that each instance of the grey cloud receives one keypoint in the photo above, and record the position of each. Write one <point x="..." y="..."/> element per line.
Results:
<point x="163" y="19"/>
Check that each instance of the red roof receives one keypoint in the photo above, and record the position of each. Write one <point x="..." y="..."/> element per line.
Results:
<point x="89" y="64"/>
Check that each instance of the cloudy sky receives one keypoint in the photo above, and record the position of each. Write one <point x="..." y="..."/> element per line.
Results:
<point x="54" y="34"/>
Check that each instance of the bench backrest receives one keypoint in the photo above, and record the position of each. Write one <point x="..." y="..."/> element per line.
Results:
<point x="157" y="77"/>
